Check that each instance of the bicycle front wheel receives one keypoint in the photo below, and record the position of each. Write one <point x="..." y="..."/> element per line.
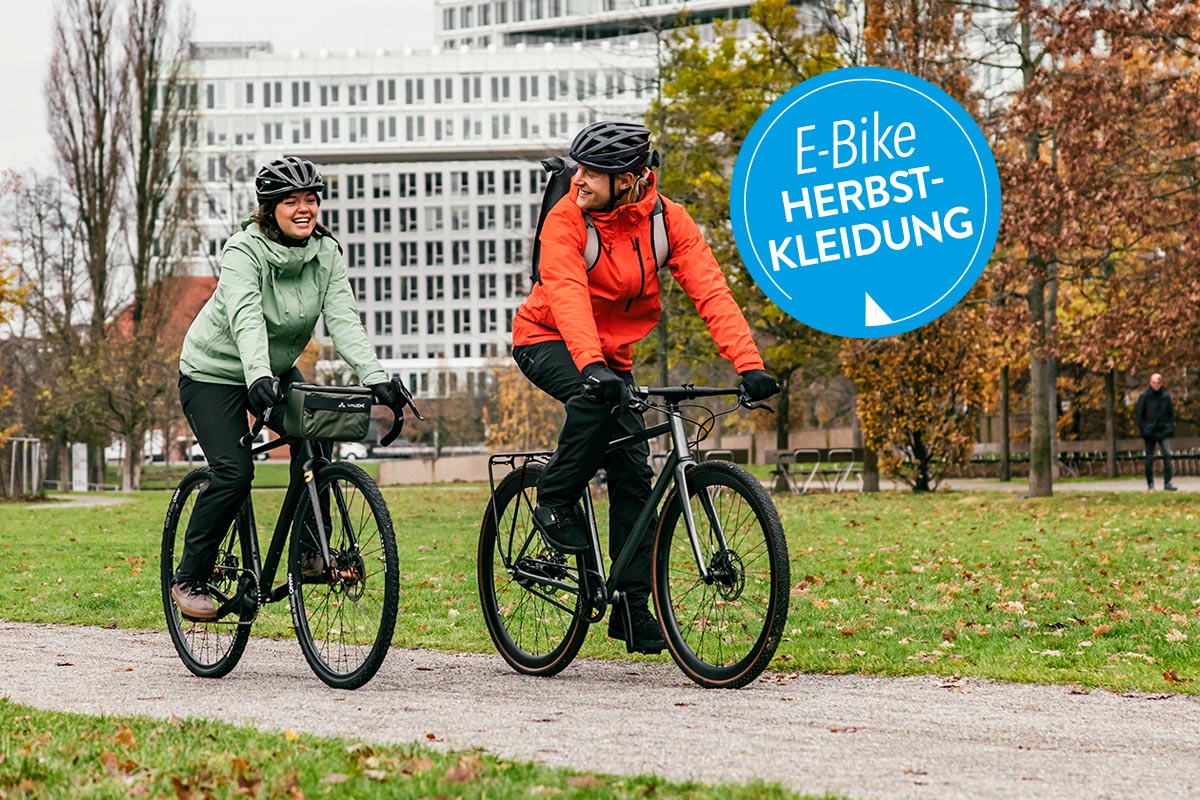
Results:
<point x="722" y="622"/>
<point x="345" y="615"/>
<point x="529" y="591"/>
<point x="208" y="649"/>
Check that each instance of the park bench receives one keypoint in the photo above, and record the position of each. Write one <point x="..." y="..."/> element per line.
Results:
<point x="738" y="455"/>
<point x="827" y="468"/>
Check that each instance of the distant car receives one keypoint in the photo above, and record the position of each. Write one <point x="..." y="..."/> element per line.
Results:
<point x="196" y="452"/>
<point x="352" y="451"/>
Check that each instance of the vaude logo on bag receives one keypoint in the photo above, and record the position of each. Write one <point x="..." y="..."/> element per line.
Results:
<point x="353" y="405"/>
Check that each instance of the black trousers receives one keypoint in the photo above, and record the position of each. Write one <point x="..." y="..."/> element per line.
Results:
<point x="582" y="443"/>
<point x="216" y="413"/>
<point x="1165" y="446"/>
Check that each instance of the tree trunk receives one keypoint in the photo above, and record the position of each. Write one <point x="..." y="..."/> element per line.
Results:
<point x="1052" y="369"/>
<point x="1110" y="423"/>
<point x="921" y="457"/>
<point x="1005" y="444"/>
<point x="132" y="455"/>
<point x="870" y="471"/>
<point x="783" y="412"/>
<point x="870" y="467"/>
<point x="1040" y="479"/>
<point x="661" y="348"/>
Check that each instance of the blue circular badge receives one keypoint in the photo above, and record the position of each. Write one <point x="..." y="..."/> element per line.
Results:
<point x="865" y="202"/>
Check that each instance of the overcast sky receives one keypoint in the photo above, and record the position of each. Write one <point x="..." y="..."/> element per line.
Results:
<point x="287" y="24"/>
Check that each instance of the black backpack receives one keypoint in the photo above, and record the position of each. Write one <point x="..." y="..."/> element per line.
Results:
<point x="561" y="171"/>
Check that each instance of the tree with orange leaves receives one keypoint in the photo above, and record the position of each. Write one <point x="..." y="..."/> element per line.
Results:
<point x="1097" y="158"/>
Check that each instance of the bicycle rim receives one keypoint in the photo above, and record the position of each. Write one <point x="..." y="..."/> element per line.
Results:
<point x="344" y="618"/>
<point x="722" y="632"/>
<point x="208" y="649"/>
<point x="537" y="627"/>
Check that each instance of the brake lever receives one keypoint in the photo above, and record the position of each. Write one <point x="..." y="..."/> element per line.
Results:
<point x="408" y="401"/>
<point x="754" y="405"/>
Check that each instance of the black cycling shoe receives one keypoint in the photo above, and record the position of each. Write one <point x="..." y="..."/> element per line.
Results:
<point x="647" y="633"/>
<point x="563" y="528"/>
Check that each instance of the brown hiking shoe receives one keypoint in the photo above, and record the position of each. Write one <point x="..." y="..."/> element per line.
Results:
<point x="193" y="600"/>
<point x="312" y="564"/>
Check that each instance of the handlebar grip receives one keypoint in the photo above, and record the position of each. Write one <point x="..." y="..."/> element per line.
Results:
<point x="397" y="426"/>
<point x="256" y="428"/>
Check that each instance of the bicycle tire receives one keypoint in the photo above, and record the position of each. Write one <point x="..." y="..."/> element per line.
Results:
<point x="207" y="649"/>
<point x="344" y="623"/>
<point x="536" y="628"/>
<point x="722" y="633"/>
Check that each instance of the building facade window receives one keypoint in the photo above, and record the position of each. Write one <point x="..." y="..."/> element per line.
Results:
<point x="381" y="185"/>
<point x="408" y="184"/>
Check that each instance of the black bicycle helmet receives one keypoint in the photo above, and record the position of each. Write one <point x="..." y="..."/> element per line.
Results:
<point x="285" y="175"/>
<point x="613" y="147"/>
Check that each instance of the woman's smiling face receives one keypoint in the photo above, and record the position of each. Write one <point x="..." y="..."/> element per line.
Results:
<point x="296" y="214"/>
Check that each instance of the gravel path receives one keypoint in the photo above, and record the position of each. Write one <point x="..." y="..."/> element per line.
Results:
<point x="859" y="736"/>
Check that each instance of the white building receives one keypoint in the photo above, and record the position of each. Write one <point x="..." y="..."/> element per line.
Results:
<point x="431" y="157"/>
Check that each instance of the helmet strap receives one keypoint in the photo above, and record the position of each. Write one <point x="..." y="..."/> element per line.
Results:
<point x="613" y="197"/>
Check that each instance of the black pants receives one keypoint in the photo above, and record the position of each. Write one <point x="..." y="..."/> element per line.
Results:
<point x="1165" y="446"/>
<point x="589" y="427"/>
<point x="216" y="413"/>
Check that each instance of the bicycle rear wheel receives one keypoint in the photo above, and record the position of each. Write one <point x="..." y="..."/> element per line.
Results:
<point x="529" y="591"/>
<point x="345" y="617"/>
<point x="208" y="649"/>
<point x="722" y="630"/>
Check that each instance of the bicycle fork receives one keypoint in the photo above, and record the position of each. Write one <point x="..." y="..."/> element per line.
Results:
<point x="335" y="572"/>
<point x="593" y="591"/>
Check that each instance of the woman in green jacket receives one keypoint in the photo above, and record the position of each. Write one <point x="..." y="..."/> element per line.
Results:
<point x="278" y="274"/>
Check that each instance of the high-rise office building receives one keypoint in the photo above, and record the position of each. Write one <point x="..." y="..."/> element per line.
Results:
<point x="431" y="157"/>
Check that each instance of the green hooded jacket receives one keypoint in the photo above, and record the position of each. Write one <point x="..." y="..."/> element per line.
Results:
<point x="265" y="308"/>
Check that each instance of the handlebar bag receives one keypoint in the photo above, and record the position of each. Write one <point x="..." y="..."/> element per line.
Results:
<point x="331" y="413"/>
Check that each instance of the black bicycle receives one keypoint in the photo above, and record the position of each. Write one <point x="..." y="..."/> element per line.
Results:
<point x="720" y="565"/>
<point x="344" y="611"/>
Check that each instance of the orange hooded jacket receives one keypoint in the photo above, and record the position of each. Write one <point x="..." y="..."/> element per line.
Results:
<point x="601" y="313"/>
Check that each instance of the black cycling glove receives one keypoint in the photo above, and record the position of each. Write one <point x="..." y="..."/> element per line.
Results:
<point x="392" y="394"/>
<point x="759" y="385"/>
<point x="263" y="394"/>
<point x="605" y="385"/>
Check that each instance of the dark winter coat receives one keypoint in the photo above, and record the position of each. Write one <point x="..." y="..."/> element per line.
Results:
<point x="1155" y="415"/>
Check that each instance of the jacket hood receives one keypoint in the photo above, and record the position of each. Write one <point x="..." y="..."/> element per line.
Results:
<point x="285" y="261"/>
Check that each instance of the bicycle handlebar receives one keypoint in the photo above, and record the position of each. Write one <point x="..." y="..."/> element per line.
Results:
<point x="689" y="392"/>
<point x="397" y="421"/>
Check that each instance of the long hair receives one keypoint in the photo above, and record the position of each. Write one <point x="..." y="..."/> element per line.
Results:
<point x="264" y="216"/>
<point x="639" y="185"/>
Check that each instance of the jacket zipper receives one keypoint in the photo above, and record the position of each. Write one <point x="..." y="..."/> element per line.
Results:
<point x="637" y="248"/>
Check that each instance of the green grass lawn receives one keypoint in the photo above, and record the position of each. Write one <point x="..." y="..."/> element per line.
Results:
<point x="45" y="754"/>
<point x="1098" y="589"/>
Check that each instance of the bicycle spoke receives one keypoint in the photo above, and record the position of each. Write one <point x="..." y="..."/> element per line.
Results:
<point x="535" y="624"/>
<point x="208" y="649"/>
<point x="344" y="617"/>
<point x="722" y="621"/>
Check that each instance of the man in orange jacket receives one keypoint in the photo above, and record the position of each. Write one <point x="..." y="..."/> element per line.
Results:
<point x="577" y="330"/>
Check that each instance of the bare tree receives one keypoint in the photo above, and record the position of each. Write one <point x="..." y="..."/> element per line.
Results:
<point x="46" y="342"/>
<point x="85" y="95"/>
<point x="120" y="106"/>
<point x="140" y="357"/>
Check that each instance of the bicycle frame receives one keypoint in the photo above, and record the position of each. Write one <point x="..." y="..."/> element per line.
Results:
<point x="679" y="460"/>
<point x="264" y="572"/>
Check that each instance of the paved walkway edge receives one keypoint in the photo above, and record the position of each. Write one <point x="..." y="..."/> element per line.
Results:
<point x="863" y="737"/>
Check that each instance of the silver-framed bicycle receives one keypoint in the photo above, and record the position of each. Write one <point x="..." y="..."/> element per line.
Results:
<point x="720" y="563"/>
